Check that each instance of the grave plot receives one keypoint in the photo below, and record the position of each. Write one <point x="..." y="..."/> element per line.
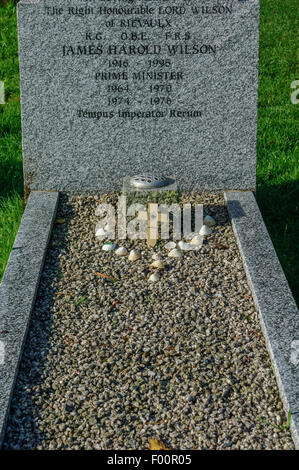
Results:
<point x="113" y="360"/>
<point x="118" y="352"/>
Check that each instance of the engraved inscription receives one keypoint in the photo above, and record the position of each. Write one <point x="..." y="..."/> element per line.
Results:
<point x="141" y="44"/>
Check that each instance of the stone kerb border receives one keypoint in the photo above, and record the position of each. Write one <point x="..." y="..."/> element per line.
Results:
<point x="277" y="309"/>
<point x="19" y="287"/>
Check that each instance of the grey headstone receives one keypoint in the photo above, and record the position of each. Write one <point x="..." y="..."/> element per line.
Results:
<point x="202" y="131"/>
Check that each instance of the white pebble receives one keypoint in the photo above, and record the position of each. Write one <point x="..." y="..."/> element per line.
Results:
<point x="109" y="247"/>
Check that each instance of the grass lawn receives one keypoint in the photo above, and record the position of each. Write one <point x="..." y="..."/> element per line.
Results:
<point x="278" y="152"/>
<point x="278" y="144"/>
<point x="11" y="178"/>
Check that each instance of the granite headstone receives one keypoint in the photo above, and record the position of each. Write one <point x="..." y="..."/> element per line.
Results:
<point x="119" y="87"/>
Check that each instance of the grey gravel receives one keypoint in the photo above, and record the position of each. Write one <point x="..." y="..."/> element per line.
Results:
<point x="182" y="360"/>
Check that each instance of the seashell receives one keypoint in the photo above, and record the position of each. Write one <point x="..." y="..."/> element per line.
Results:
<point x="197" y="240"/>
<point x="175" y="253"/>
<point x="209" y="221"/>
<point x="157" y="257"/>
<point x="154" y="277"/>
<point x="205" y="230"/>
<point x="121" y="251"/>
<point x="158" y="264"/>
<point x="100" y="232"/>
<point x="134" y="255"/>
<point x="185" y="246"/>
<point x="170" y="245"/>
<point x="109" y="247"/>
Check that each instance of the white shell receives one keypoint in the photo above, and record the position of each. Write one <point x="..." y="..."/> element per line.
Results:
<point x="121" y="251"/>
<point x="185" y="246"/>
<point x="197" y="240"/>
<point x="205" y="230"/>
<point x="157" y="264"/>
<point x="134" y="255"/>
<point x="157" y="257"/>
<point x="170" y="245"/>
<point x="209" y="221"/>
<point x="109" y="247"/>
<point x="100" y="232"/>
<point x="154" y="277"/>
<point x="175" y="253"/>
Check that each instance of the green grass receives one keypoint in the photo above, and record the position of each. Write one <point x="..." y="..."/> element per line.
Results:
<point x="278" y="149"/>
<point x="277" y="170"/>
<point x="11" y="178"/>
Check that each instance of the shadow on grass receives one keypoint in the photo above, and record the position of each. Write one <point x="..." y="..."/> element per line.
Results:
<point x="279" y="205"/>
<point x="11" y="177"/>
<point x="11" y="207"/>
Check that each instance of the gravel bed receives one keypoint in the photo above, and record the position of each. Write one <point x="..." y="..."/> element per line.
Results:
<point x="182" y="360"/>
